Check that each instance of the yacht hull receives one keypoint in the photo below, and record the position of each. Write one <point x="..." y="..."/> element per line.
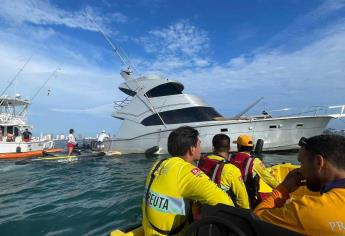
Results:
<point x="278" y="134"/>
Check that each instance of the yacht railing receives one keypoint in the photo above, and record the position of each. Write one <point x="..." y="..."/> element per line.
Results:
<point x="118" y="105"/>
<point x="319" y="111"/>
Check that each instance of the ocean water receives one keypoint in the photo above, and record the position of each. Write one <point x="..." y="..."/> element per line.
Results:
<point x="86" y="197"/>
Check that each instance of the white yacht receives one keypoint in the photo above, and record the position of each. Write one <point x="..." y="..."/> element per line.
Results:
<point x="13" y="111"/>
<point x="156" y="105"/>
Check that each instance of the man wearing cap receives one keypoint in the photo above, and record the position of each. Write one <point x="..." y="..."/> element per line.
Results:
<point x="252" y="169"/>
<point x="322" y="170"/>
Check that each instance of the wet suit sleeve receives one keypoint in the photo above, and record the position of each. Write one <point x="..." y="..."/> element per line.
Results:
<point x="233" y="178"/>
<point x="275" y="210"/>
<point x="265" y="175"/>
<point x="195" y="185"/>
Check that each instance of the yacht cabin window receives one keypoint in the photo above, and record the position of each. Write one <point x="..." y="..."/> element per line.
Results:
<point x="185" y="115"/>
<point x="165" y="90"/>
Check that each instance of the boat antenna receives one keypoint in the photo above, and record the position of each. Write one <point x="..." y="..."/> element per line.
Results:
<point x="248" y="108"/>
<point x="120" y="53"/>
<point x="39" y="90"/>
<point x="16" y="76"/>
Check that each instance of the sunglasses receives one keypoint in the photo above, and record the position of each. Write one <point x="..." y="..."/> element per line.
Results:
<point x="303" y="142"/>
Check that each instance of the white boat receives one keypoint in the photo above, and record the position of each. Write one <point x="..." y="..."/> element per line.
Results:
<point x="13" y="122"/>
<point x="156" y="105"/>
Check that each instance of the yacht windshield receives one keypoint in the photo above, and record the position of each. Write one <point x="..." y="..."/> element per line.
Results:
<point x="185" y="115"/>
<point x="165" y="90"/>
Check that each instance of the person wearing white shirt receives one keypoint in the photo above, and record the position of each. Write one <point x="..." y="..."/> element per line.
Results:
<point x="71" y="142"/>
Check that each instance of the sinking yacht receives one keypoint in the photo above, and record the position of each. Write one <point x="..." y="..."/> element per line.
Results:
<point x="13" y="111"/>
<point x="156" y="105"/>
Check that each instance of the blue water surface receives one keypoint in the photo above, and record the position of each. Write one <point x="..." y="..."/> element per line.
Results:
<point x="87" y="197"/>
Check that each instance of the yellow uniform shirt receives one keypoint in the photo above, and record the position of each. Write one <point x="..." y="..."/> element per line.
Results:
<point x="231" y="180"/>
<point x="260" y="169"/>
<point x="167" y="204"/>
<point x="322" y="215"/>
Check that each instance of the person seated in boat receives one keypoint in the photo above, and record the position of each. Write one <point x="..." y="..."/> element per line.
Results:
<point x="322" y="170"/>
<point x="174" y="183"/>
<point x="27" y="135"/>
<point x="252" y="169"/>
<point x="9" y="137"/>
<point x="71" y="142"/>
<point x="226" y="175"/>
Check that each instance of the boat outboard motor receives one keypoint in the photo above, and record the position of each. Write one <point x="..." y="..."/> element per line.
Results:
<point x="258" y="149"/>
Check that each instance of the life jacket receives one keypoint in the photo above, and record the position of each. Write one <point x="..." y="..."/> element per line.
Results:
<point x="212" y="168"/>
<point x="245" y="163"/>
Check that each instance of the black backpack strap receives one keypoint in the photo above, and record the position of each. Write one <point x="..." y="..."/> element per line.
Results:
<point x="165" y="232"/>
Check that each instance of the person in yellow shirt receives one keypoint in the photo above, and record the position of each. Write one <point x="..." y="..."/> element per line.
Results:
<point x="174" y="183"/>
<point x="252" y="169"/>
<point x="322" y="170"/>
<point x="227" y="176"/>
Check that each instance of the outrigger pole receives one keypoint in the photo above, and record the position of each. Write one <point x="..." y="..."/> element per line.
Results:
<point x="15" y="77"/>
<point x="125" y="61"/>
<point x="39" y="90"/>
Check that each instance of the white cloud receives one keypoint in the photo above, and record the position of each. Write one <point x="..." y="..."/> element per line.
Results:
<point x="179" y="45"/>
<point x="101" y="110"/>
<point x="42" y="12"/>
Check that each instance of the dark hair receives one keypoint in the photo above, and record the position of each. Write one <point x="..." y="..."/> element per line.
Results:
<point x="221" y="143"/>
<point x="181" y="139"/>
<point x="71" y="131"/>
<point x="330" y="146"/>
<point x="244" y="148"/>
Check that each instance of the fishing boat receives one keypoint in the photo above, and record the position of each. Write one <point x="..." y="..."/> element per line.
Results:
<point x="13" y="122"/>
<point x="279" y="171"/>
<point x="155" y="105"/>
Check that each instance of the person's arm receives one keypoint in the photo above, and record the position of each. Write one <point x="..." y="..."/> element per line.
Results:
<point x="260" y="169"/>
<point x="236" y="186"/>
<point x="196" y="185"/>
<point x="275" y="208"/>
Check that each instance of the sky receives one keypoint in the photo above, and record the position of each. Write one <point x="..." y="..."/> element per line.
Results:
<point x="230" y="53"/>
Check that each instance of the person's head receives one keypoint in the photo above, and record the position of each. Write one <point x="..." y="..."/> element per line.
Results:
<point x="244" y="143"/>
<point x="221" y="143"/>
<point x="71" y="131"/>
<point x="184" y="141"/>
<point x="322" y="158"/>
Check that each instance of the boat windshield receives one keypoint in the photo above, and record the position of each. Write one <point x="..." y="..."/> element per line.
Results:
<point x="185" y="115"/>
<point x="165" y="90"/>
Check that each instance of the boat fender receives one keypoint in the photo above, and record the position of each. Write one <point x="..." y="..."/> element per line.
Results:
<point x="151" y="150"/>
<point x="18" y="149"/>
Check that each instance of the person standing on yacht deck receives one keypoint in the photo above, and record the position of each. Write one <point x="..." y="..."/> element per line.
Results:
<point x="174" y="183"/>
<point x="71" y="142"/>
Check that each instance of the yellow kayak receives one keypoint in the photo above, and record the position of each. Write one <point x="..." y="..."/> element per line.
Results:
<point x="279" y="171"/>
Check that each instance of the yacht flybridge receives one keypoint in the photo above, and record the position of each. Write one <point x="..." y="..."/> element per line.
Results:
<point x="13" y="111"/>
<point x="156" y="105"/>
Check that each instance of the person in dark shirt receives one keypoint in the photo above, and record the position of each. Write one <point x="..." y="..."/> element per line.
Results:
<point x="27" y="135"/>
